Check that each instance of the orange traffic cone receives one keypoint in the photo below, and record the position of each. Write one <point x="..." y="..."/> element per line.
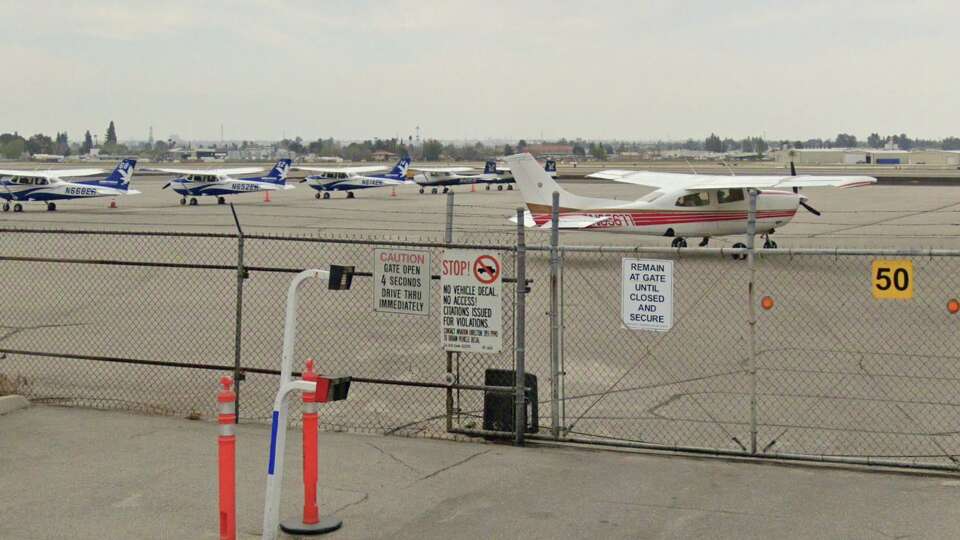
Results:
<point x="393" y="192"/>
<point x="113" y="203"/>
<point x="266" y="196"/>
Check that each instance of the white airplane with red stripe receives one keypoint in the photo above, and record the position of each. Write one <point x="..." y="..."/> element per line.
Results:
<point x="681" y="205"/>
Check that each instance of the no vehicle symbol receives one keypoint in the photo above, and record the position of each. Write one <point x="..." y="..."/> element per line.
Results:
<point x="486" y="269"/>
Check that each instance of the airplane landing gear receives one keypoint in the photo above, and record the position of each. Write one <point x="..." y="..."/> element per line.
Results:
<point x="679" y="242"/>
<point x="221" y="200"/>
<point x="499" y="188"/>
<point x="704" y="242"/>
<point x="350" y="195"/>
<point x="325" y="195"/>
<point x="17" y="207"/>
<point x="183" y="201"/>
<point x="421" y="191"/>
<point x="51" y="207"/>
<point x="6" y="207"/>
<point x="740" y="256"/>
<point x="768" y="243"/>
<point x="488" y="187"/>
<point x="446" y="189"/>
<point x="193" y="201"/>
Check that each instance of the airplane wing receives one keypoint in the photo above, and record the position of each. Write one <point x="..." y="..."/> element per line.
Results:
<point x="693" y="182"/>
<point x="443" y="169"/>
<point x="214" y="172"/>
<point x="55" y="173"/>
<point x="349" y="170"/>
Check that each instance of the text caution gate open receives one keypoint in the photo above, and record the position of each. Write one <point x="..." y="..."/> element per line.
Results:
<point x="471" y="282"/>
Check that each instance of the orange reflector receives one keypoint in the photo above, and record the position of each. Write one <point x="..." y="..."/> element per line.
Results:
<point x="953" y="306"/>
<point x="766" y="303"/>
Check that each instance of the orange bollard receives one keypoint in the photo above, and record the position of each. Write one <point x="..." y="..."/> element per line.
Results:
<point x="227" y="417"/>
<point x="310" y="523"/>
<point x="473" y="187"/>
<point x="393" y="192"/>
<point x="266" y="196"/>
<point x="113" y="203"/>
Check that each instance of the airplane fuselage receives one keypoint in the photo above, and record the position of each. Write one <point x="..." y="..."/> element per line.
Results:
<point x="43" y="189"/>
<point x="676" y="215"/>
<point x="346" y="182"/>
<point x="188" y="187"/>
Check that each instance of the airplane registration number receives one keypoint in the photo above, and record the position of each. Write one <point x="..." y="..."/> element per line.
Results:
<point x="245" y="187"/>
<point x="80" y="191"/>
<point x="613" y="220"/>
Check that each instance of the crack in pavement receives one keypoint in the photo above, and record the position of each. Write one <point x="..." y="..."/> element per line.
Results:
<point x="393" y="457"/>
<point x="697" y="509"/>
<point x="457" y="464"/>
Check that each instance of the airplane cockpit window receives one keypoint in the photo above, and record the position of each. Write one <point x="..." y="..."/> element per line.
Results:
<point x="700" y="198"/>
<point x="41" y="181"/>
<point x="729" y="195"/>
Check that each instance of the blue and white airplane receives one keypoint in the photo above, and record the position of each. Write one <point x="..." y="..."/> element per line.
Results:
<point x="219" y="183"/>
<point x="503" y="176"/>
<point x="350" y="179"/>
<point x="18" y="187"/>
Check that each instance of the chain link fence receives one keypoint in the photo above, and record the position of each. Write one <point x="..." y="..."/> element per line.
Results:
<point x="149" y="322"/>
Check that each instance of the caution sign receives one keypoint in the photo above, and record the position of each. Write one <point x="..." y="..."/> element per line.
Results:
<point x="401" y="281"/>
<point x="471" y="281"/>
<point x="647" y="294"/>
<point x="892" y="279"/>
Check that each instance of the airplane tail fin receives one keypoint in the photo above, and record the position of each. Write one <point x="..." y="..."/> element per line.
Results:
<point x="278" y="174"/>
<point x="490" y="167"/>
<point x="537" y="187"/>
<point x="400" y="169"/>
<point x="121" y="176"/>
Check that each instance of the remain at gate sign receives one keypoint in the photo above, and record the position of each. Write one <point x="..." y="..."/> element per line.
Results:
<point x="647" y="294"/>
<point x="401" y="281"/>
<point x="471" y="284"/>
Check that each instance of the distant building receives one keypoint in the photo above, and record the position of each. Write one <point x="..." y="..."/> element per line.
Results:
<point x="550" y="150"/>
<point x="383" y="155"/>
<point x="866" y="156"/>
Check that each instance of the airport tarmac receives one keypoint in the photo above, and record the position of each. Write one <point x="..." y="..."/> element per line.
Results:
<point x="889" y="216"/>
<point x="829" y="354"/>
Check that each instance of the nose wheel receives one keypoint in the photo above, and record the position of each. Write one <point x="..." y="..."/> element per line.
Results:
<point x="17" y="207"/>
<point x="6" y="207"/>
<point x="446" y="190"/>
<point x="768" y="242"/>
<point x="183" y="201"/>
<point x="51" y="207"/>
<point x="679" y="242"/>
<point x="193" y="201"/>
<point x="499" y="188"/>
<point x="421" y="191"/>
<point x="350" y="195"/>
<point x="221" y="200"/>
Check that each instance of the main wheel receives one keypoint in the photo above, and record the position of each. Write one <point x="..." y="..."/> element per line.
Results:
<point x="421" y="191"/>
<point x="350" y="195"/>
<point x="51" y="207"/>
<point x="679" y="242"/>
<point x="6" y="207"/>
<point x="446" y="190"/>
<point x="221" y="200"/>
<point x="488" y="187"/>
<point x="193" y="201"/>
<point x="326" y="195"/>
<point x="183" y="201"/>
<point x="769" y="244"/>
<point x="17" y="207"/>
<point x="740" y="256"/>
<point x="499" y="188"/>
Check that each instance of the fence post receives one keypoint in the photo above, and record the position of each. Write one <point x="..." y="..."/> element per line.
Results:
<point x="520" y="377"/>
<point x="238" y="317"/>
<point x="751" y="261"/>
<point x="448" y="239"/>
<point x="555" y="316"/>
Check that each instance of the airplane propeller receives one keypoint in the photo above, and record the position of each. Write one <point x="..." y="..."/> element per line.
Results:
<point x="165" y="186"/>
<point x="810" y="209"/>
<point x="793" y="172"/>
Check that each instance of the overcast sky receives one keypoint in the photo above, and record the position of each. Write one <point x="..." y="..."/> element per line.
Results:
<point x="611" y="70"/>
